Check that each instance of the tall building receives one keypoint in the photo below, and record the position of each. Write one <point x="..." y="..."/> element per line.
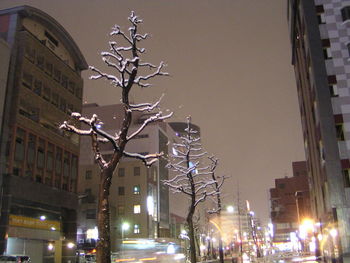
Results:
<point x="137" y="196"/>
<point x="38" y="162"/>
<point x="319" y="33"/>
<point x="290" y="203"/>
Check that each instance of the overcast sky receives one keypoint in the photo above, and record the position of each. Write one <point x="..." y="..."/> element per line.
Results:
<point x="230" y="69"/>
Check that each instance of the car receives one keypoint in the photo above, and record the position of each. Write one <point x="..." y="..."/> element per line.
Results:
<point x="14" y="259"/>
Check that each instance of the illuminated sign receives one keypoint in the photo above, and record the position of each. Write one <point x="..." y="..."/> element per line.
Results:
<point x="29" y="222"/>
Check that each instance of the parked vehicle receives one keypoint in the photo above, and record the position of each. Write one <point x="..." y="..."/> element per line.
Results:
<point x="14" y="259"/>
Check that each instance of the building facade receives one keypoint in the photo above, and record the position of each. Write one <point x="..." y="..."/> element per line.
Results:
<point x="319" y="33"/>
<point x="38" y="162"/>
<point x="138" y="199"/>
<point x="290" y="203"/>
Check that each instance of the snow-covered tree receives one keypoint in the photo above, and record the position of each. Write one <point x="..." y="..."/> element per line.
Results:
<point x="217" y="200"/>
<point x="123" y="58"/>
<point x="191" y="176"/>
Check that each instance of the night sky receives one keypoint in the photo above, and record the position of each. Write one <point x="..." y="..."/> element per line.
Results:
<point x="230" y="69"/>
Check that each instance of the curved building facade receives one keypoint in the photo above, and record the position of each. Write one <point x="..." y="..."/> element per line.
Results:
<point x="38" y="162"/>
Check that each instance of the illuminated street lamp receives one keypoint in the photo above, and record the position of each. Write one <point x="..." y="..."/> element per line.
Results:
<point x="230" y="209"/>
<point x="125" y="227"/>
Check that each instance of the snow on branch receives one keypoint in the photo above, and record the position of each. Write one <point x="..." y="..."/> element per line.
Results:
<point x="192" y="176"/>
<point x="123" y="57"/>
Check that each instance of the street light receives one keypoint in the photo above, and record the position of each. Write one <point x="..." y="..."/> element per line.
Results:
<point x="125" y="227"/>
<point x="230" y="209"/>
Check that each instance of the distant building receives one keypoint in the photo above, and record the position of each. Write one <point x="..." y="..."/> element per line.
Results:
<point x="290" y="203"/>
<point x="137" y="195"/>
<point x="38" y="162"/>
<point x="319" y="34"/>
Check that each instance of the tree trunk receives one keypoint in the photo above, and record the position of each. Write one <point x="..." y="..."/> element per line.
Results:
<point x="221" y="249"/>
<point x="191" y="234"/>
<point x="103" y="254"/>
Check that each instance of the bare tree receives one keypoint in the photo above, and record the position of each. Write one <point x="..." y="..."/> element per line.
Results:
<point x="191" y="177"/>
<point x="124" y="59"/>
<point x="217" y="200"/>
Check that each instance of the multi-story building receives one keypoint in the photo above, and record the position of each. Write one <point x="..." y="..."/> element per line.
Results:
<point x="137" y="195"/>
<point x="290" y="203"/>
<point x="319" y="33"/>
<point x="38" y="162"/>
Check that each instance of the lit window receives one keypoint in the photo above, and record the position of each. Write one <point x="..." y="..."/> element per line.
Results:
<point x="136" y="229"/>
<point x="136" y="190"/>
<point x="137" y="209"/>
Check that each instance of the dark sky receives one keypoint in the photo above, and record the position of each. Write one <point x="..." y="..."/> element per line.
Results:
<point x="230" y="69"/>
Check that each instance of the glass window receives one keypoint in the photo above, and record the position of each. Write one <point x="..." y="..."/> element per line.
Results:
<point x="31" y="149"/>
<point x="121" y="190"/>
<point x="27" y="80"/>
<point x="91" y="214"/>
<point x="41" y="154"/>
<point x="46" y="92"/>
<point x="57" y="74"/>
<point x="58" y="162"/>
<point x="30" y="53"/>
<point x="49" y="162"/>
<point x="121" y="172"/>
<point x="66" y="164"/>
<point x="137" y="209"/>
<point x="64" y="81"/>
<point x="74" y="167"/>
<point x="71" y="87"/>
<point x="345" y="13"/>
<point x="136" y="229"/>
<point x="137" y="171"/>
<point x="40" y="62"/>
<point x="37" y="87"/>
<point x="63" y="104"/>
<point x="48" y="68"/>
<point x="136" y="189"/>
<point x="55" y="99"/>
<point x="88" y="174"/>
<point x="19" y="145"/>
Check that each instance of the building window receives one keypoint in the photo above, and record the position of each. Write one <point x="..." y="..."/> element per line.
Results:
<point x="137" y="209"/>
<point x="88" y="174"/>
<point x="27" y="80"/>
<point x="37" y="87"/>
<point x="49" y="161"/>
<point x="345" y="13"/>
<point x="46" y="92"/>
<point x="64" y="81"/>
<point x="40" y="159"/>
<point x="333" y="90"/>
<point x="121" y="210"/>
<point x="281" y="186"/>
<point x="19" y="145"/>
<point x="40" y="62"/>
<point x="320" y="14"/>
<point x="137" y="171"/>
<point x="55" y="99"/>
<point x="91" y="214"/>
<point x="346" y="176"/>
<point x="121" y="190"/>
<point x="340" y="131"/>
<point x="121" y="172"/>
<point x="136" y="190"/>
<point x="57" y="75"/>
<point x="326" y="45"/>
<point x="31" y="145"/>
<point x="48" y="68"/>
<point x="136" y="229"/>
<point x="71" y="87"/>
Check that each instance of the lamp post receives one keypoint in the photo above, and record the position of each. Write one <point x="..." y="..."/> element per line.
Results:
<point x="125" y="227"/>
